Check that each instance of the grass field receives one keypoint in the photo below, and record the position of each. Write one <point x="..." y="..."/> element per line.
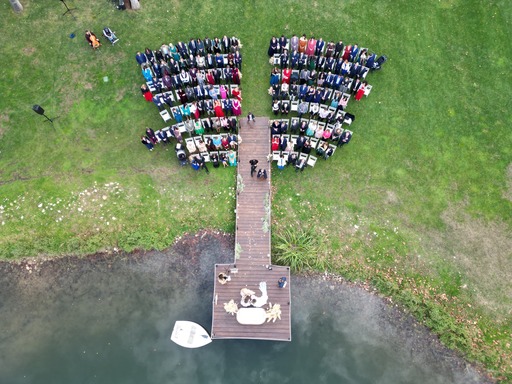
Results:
<point x="418" y="205"/>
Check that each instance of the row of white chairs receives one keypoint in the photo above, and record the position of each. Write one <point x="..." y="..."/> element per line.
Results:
<point x="166" y="116"/>
<point x="190" y="128"/>
<point x="345" y="117"/>
<point x="152" y="87"/>
<point x="320" y="108"/>
<point x="287" y="46"/>
<point x="367" y="91"/>
<point x="292" y="140"/>
<point x="277" y="61"/>
<point x="192" y="144"/>
<point x="173" y="93"/>
<point x="310" y="160"/>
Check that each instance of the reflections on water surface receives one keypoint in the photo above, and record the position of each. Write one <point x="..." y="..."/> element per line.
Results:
<point x="108" y="319"/>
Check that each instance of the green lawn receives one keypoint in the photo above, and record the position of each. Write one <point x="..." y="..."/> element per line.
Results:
<point x="419" y="204"/>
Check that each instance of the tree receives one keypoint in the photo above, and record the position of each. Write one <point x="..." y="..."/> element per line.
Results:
<point x="16" y="5"/>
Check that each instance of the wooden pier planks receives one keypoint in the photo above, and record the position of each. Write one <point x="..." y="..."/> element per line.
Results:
<point x="252" y="263"/>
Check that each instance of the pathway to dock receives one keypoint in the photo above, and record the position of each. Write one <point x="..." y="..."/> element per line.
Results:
<point x="252" y="264"/>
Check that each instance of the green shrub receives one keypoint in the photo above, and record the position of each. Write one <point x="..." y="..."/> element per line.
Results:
<point x="298" y="248"/>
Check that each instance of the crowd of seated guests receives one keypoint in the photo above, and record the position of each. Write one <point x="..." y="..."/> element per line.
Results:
<point x="197" y="84"/>
<point x="193" y="72"/>
<point x="213" y="143"/>
<point x="316" y="79"/>
<point x="302" y="137"/>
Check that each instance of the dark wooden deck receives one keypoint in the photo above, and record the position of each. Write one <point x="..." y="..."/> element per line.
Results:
<point x="252" y="249"/>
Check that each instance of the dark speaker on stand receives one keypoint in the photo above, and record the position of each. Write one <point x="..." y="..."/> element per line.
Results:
<point x="38" y="109"/>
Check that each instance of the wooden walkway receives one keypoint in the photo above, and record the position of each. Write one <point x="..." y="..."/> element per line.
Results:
<point x="252" y="263"/>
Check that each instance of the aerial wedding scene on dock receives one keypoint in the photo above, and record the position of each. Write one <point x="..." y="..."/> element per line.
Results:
<point x="288" y="191"/>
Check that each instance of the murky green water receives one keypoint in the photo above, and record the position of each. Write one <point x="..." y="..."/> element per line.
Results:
<point x="109" y="321"/>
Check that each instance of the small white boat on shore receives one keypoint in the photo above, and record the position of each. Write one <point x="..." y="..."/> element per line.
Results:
<point x="190" y="335"/>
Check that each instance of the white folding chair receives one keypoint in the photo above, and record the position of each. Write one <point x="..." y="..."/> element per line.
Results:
<point x="333" y="147"/>
<point x="294" y="105"/>
<point x="151" y="86"/>
<point x="204" y="123"/>
<point x="165" y="115"/>
<point x="323" y="109"/>
<point x="303" y="156"/>
<point x="311" y="161"/>
<point x="211" y="153"/>
<point x="314" y="142"/>
<point x="367" y="90"/>
<point x="340" y="114"/>
<point x="294" y="120"/>
<point x="171" y="95"/>
<point x="181" y="127"/>
<point x="276" y="155"/>
<point x="347" y="119"/>
<point x="196" y="140"/>
<point x="206" y="156"/>
<point x="329" y="130"/>
<point x="277" y="59"/>
<point x="191" y="146"/>
<point x="311" y="105"/>
<point x="225" y="153"/>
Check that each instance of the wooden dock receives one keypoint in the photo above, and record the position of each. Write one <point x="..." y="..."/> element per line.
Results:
<point x="252" y="263"/>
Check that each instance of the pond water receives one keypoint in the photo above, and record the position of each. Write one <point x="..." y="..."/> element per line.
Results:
<point x="108" y="319"/>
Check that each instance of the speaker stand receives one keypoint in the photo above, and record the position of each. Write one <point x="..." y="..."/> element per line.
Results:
<point x="50" y="120"/>
<point x="68" y="10"/>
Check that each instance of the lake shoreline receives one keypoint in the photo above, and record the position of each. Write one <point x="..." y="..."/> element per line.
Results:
<point x="49" y="274"/>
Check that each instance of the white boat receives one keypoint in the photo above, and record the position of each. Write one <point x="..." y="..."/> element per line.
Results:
<point x="190" y="335"/>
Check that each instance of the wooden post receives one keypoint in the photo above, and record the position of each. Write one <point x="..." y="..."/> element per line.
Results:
<point x="16" y="6"/>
